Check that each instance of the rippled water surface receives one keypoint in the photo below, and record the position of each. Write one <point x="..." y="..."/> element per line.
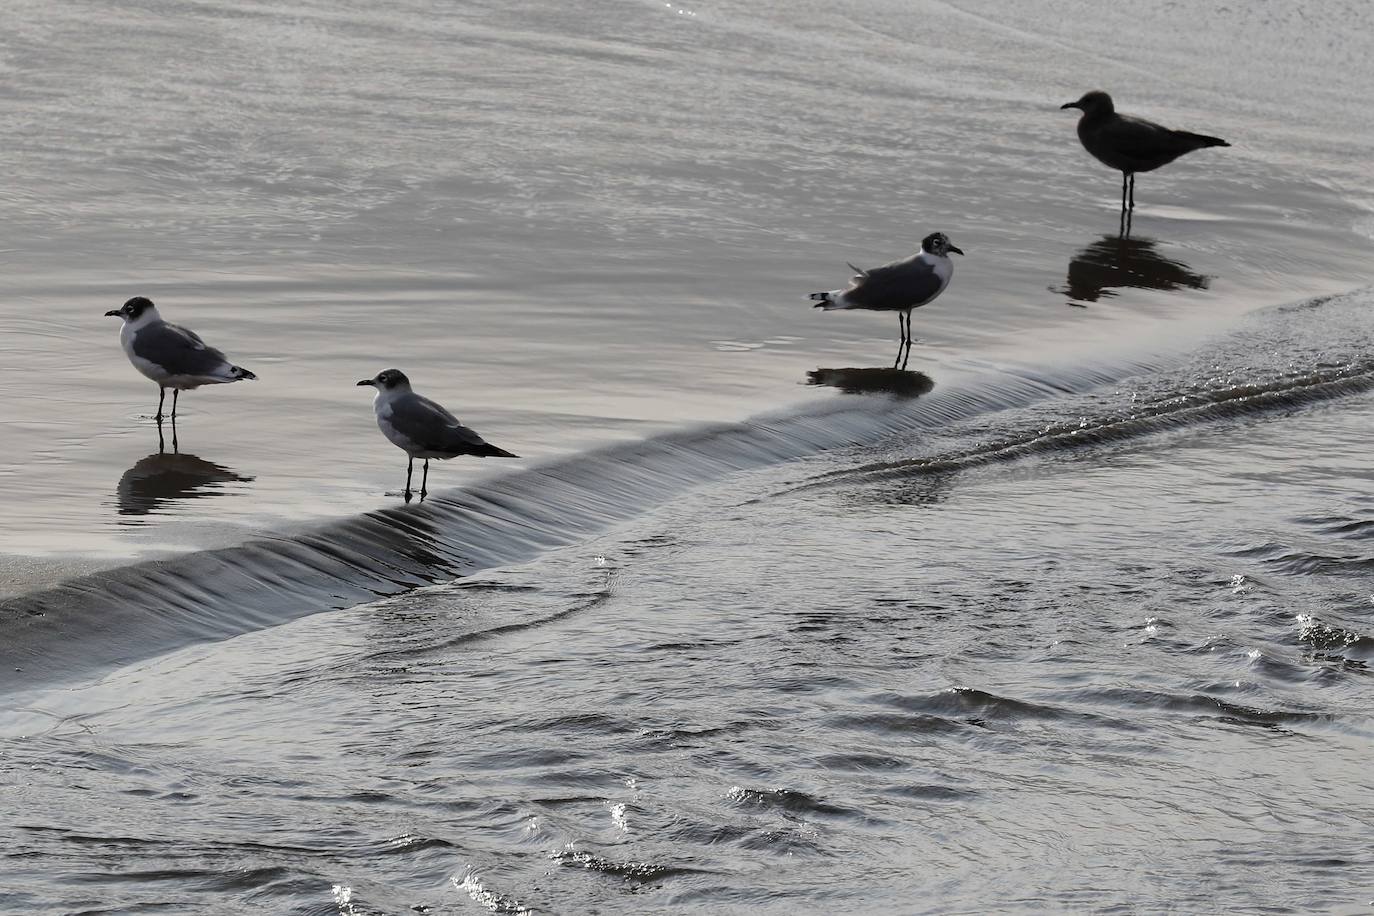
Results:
<point x="1116" y="674"/>
<point x="1074" y="614"/>
<point x="578" y="226"/>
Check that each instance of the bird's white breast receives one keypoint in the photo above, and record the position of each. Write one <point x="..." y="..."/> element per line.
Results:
<point x="126" y="340"/>
<point x="381" y="405"/>
<point x="943" y="268"/>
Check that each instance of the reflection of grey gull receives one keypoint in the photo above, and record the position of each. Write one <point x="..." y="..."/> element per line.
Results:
<point x="172" y="356"/>
<point x="422" y="428"/>
<point x="162" y="478"/>
<point x="1129" y="144"/>
<point x="897" y="287"/>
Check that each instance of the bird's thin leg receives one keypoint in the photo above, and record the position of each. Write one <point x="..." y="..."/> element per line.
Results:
<point x="161" y="396"/>
<point x="906" y="357"/>
<point x="175" y="448"/>
<point x="424" y="481"/>
<point x="161" y="445"/>
<point x="175" y="393"/>
<point x="1132" y="207"/>
<point x="410" y="467"/>
<point x="1125" y="178"/>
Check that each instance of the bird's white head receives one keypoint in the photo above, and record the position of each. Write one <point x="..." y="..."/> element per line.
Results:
<point x="388" y="381"/>
<point x="137" y="311"/>
<point x="938" y="244"/>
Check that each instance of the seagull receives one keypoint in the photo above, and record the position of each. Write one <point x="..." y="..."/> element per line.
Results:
<point x="1129" y="144"/>
<point x="173" y="356"/>
<point x="422" y="428"/>
<point x="897" y="287"/>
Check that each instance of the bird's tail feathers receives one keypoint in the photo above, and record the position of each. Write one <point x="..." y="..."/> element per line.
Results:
<point x="1203" y="141"/>
<point x="238" y="372"/>
<point x="834" y="299"/>
<point x="487" y="450"/>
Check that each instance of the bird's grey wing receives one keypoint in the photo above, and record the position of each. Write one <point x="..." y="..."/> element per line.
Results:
<point x="177" y="350"/>
<point x="430" y="426"/>
<point x="192" y="335"/>
<point x="899" y="285"/>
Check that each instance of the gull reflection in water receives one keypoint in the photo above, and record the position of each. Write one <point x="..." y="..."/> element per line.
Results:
<point x="1115" y="261"/>
<point x="164" y="477"/>
<point x="899" y="383"/>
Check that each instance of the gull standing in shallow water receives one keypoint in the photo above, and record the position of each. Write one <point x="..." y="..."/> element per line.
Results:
<point x="173" y="356"/>
<point x="421" y="428"/>
<point x="1129" y="144"/>
<point x="897" y="287"/>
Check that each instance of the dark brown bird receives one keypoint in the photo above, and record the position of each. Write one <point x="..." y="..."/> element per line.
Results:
<point x="1130" y="144"/>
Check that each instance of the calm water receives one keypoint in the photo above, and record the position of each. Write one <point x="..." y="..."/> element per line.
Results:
<point x="1076" y="615"/>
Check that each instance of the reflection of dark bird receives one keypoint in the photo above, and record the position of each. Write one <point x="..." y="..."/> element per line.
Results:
<point x="166" y="476"/>
<point x="897" y="382"/>
<point x="421" y="427"/>
<point x="173" y="356"/>
<point x="1116" y="261"/>
<point x="1129" y="144"/>
<point x="897" y="287"/>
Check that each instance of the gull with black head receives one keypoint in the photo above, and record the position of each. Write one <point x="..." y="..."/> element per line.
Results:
<point x="173" y="356"/>
<point x="897" y="287"/>
<point x="421" y="427"/>
<point x="1130" y="144"/>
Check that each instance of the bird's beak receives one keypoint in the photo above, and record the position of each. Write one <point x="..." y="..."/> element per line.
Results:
<point x="112" y="313"/>
<point x="956" y="250"/>
<point x="1070" y="105"/>
<point x="367" y="381"/>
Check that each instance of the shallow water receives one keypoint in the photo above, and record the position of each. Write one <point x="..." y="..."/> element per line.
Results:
<point x="1073" y="616"/>
<point x="943" y="675"/>
<point x="575" y="228"/>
